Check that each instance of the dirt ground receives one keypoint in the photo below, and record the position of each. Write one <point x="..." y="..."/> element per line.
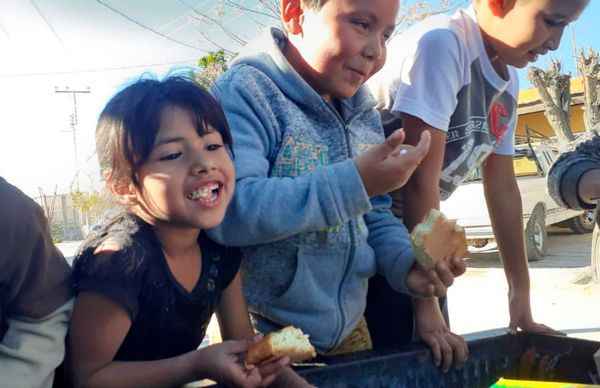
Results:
<point x="562" y="294"/>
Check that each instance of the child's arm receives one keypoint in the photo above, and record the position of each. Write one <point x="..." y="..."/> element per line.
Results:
<point x="500" y="188"/>
<point x="31" y="349"/>
<point x="264" y="208"/>
<point x="98" y="328"/>
<point x="234" y="322"/>
<point x="589" y="187"/>
<point x="35" y="294"/>
<point x="574" y="178"/>
<point x="422" y="193"/>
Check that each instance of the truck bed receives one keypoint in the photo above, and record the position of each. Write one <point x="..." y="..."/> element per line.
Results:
<point x="492" y="356"/>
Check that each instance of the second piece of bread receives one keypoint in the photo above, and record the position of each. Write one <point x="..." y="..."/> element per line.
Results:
<point x="437" y="238"/>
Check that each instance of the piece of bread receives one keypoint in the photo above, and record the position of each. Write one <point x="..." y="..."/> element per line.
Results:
<point x="437" y="238"/>
<point x="289" y="341"/>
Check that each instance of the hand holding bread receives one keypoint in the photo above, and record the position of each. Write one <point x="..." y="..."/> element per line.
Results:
<point x="440" y="246"/>
<point x="437" y="238"/>
<point x="289" y="341"/>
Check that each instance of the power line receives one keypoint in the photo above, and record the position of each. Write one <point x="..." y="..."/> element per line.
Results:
<point x="99" y="70"/>
<point x="148" y="28"/>
<point x="4" y="30"/>
<point x="183" y="15"/>
<point x="47" y="22"/>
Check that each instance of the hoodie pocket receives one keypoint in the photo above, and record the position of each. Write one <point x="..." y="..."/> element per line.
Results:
<point x="311" y="301"/>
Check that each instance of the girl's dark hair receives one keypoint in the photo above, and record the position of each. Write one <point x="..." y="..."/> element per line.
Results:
<point x="129" y="123"/>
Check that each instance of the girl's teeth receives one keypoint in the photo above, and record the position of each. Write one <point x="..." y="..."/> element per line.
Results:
<point x="204" y="193"/>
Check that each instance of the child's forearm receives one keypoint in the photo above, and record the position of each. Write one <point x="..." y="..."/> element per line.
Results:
<point x="173" y="371"/>
<point x="589" y="186"/>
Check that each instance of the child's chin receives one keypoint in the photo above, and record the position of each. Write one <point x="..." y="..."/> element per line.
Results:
<point x="212" y="223"/>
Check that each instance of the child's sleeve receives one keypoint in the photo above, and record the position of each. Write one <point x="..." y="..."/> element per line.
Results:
<point x="567" y="170"/>
<point x="388" y="237"/>
<point x="430" y="77"/>
<point x="35" y="294"/>
<point x="117" y="276"/>
<point x="32" y="348"/>
<point x="264" y="208"/>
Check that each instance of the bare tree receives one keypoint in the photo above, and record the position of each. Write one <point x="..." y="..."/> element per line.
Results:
<point x="555" y="91"/>
<point x="48" y="208"/>
<point x="589" y="67"/>
<point x="218" y="25"/>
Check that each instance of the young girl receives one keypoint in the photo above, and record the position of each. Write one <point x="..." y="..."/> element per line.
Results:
<point x="149" y="281"/>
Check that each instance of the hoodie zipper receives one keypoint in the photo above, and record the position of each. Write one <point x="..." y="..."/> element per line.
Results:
<point x="351" y="230"/>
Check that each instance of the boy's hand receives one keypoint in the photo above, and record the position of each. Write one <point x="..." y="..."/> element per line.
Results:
<point x="447" y="348"/>
<point x="387" y="166"/>
<point x="225" y="365"/>
<point x="519" y="307"/>
<point x="436" y="281"/>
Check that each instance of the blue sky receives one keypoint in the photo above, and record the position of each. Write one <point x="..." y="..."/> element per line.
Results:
<point x="50" y="45"/>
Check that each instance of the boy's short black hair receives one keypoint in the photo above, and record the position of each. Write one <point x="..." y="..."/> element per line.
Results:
<point x="129" y="123"/>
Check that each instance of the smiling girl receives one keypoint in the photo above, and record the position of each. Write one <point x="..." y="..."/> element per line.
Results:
<point x="149" y="281"/>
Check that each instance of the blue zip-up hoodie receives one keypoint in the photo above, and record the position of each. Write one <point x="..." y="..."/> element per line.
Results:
<point x="311" y="236"/>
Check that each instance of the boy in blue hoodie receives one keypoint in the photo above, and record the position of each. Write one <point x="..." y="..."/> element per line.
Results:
<point x="312" y="172"/>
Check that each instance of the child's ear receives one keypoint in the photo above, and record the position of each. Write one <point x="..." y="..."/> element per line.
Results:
<point x="500" y="8"/>
<point x="292" y="16"/>
<point x="121" y="188"/>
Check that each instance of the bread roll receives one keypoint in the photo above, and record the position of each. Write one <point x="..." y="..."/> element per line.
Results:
<point x="289" y="341"/>
<point x="437" y="238"/>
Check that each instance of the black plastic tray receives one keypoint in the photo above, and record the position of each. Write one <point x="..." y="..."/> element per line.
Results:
<point x="491" y="356"/>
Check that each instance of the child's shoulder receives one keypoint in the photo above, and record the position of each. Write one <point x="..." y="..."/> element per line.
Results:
<point x="244" y="75"/>
<point x="18" y="211"/>
<point x="123" y="242"/>
<point x="440" y="30"/>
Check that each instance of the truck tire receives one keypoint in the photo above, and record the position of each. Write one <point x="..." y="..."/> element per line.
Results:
<point x="535" y="235"/>
<point x="583" y="223"/>
<point x="596" y="255"/>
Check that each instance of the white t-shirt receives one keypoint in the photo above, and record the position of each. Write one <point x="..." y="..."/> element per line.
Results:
<point x="438" y="70"/>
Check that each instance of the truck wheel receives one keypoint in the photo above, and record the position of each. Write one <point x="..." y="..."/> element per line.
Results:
<point x="596" y="255"/>
<point x="583" y="223"/>
<point x="535" y="235"/>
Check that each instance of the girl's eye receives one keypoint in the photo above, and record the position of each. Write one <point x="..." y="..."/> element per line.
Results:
<point x="171" y="156"/>
<point x="213" y="147"/>
<point x="362" y="24"/>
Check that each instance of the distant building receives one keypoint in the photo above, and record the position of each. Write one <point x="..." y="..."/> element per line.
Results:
<point x="64" y="219"/>
<point x="531" y="111"/>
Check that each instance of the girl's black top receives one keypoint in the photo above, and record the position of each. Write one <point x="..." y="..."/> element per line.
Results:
<point x="167" y="320"/>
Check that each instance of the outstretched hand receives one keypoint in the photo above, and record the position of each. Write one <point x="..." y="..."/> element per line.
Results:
<point x="521" y="318"/>
<point x="387" y="166"/>
<point x="435" y="282"/>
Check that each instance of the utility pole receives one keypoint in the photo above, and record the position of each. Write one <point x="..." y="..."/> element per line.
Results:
<point x="574" y="45"/>
<point x="73" y="124"/>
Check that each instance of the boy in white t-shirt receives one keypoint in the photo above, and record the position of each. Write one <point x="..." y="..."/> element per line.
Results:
<point x="455" y="77"/>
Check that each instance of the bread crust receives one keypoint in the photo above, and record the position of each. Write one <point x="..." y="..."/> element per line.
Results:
<point x="437" y="238"/>
<point x="289" y="341"/>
